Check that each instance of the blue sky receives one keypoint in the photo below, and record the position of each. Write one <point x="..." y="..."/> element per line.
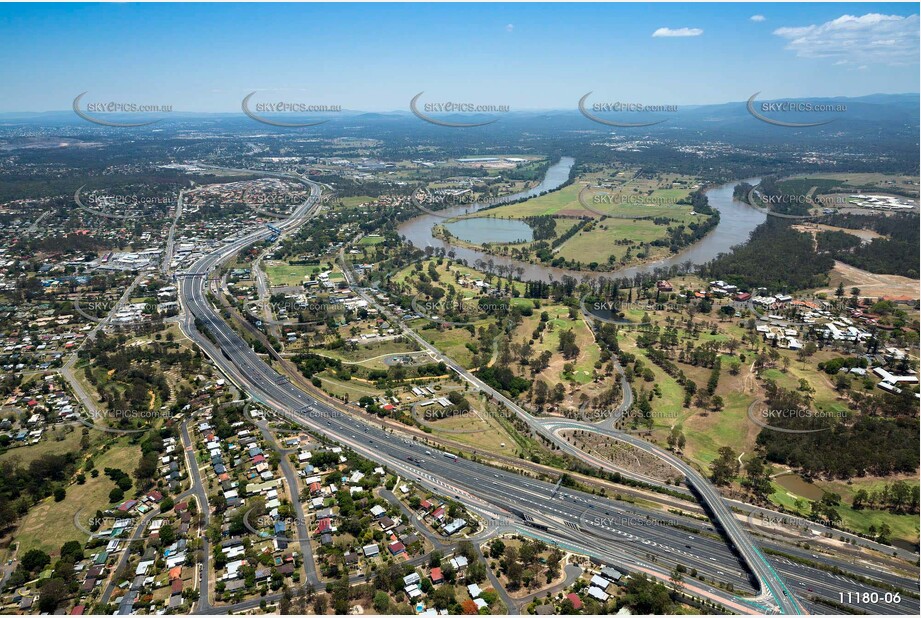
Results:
<point x="206" y="57"/>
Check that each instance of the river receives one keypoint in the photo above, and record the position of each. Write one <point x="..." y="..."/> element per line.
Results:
<point x="737" y="220"/>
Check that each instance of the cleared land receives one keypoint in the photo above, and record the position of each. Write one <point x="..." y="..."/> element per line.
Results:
<point x="870" y="284"/>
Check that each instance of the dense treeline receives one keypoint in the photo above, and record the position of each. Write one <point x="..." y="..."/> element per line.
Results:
<point x="776" y="257"/>
<point x="503" y="379"/>
<point x="872" y="446"/>
<point x="897" y="253"/>
<point x="698" y="199"/>
<point x="839" y="449"/>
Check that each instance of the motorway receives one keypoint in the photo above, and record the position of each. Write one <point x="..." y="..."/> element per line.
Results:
<point x="577" y="521"/>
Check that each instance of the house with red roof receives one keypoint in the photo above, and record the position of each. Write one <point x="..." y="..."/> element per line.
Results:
<point x="324" y="525"/>
<point x="396" y="549"/>
<point x="575" y="600"/>
<point x="436" y="575"/>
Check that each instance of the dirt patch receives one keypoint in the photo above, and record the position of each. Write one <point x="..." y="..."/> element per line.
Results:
<point x="870" y="284"/>
<point x="814" y="228"/>
<point x="622" y="455"/>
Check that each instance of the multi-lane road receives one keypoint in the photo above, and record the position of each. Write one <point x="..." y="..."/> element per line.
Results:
<point x="636" y="538"/>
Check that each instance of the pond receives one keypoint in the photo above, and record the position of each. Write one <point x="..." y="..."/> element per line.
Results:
<point x="797" y="486"/>
<point x="482" y="230"/>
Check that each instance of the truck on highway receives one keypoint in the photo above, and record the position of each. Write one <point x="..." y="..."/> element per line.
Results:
<point x="451" y="456"/>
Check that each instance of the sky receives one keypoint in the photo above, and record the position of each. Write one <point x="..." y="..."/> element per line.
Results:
<point x="376" y="57"/>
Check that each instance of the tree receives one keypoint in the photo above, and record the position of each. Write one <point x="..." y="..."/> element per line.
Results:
<point x="51" y="594"/>
<point x="469" y="607"/>
<point x="35" y="560"/>
<point x="72" y="551"/>
<point x="646" y="597"/>
<point x="167" y="534"/>
<point x="514" y="572"/>
<point x="497" y="549"/>
<point x="567" y="345"/>
<point x="860" y="499"/>
<point x="381" y="602"/>
<point x="725" y="467"/>
<point x="443" y="598"/>
<point x="677" y="578"/>
<point x="758" y="479"/>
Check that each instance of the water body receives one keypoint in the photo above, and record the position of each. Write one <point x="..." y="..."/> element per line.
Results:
<point x="737" y="220"/>
<point x="481" y="230"/>
<point x="798" y="486"/>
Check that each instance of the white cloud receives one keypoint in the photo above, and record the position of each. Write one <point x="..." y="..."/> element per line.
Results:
<point x="758" y="18"/>
<point x="868" y="39"/>
<point x="672" y="32"/>
<point x="509" y="27"/>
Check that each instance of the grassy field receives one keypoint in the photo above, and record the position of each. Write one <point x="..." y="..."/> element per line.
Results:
<point x="449" y="272"/>
<point x="583" y="366"/>
<point x="622" y="196"/>
<point x="597" y="244"/>
<point x="452" y="342"/>
<point x="667" y="409"/>
<point x="706" y="431"/>
<point x="904" y="527"/>
<point x="368" y="241"/>
<point x="353" y="201"/>
<point x="354" y="389"/>
<point x="483" y="432"/>
<point x="280" y="273"/>
<point x="55" y="441"/>
<point x="630" y="196"/>
<point x="365" y="353"/>
<point x="48" y="515"/>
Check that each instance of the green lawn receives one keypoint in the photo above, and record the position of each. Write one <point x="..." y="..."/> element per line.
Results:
<point x="280" y="273"/>
<point x="371" y="240"/>
<point x="451" y="342"/>
<point x="355" y="200"/>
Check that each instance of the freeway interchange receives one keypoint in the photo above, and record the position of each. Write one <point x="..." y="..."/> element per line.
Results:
<point x="639" y="539"/>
